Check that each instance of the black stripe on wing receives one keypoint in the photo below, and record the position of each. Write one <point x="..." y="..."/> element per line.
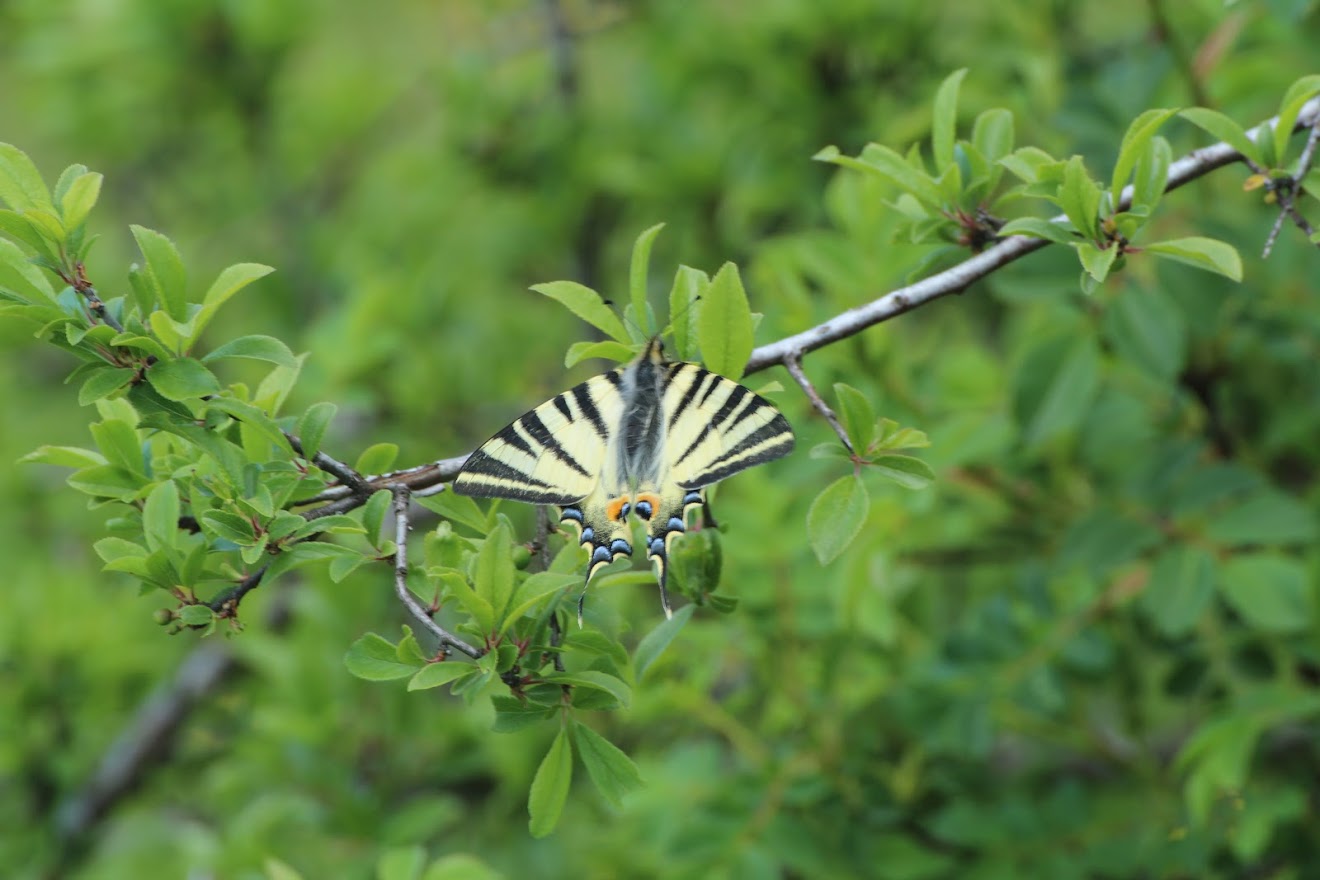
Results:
<point x="536" y="429"/>
<point x="772" y="440"/>
<point x="486" y="477"/>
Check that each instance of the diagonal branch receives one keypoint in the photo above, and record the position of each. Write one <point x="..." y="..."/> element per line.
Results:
<point x="793" y="363"/>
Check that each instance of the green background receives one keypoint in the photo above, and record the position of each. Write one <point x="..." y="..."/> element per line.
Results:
<point x="1089" y="650"/>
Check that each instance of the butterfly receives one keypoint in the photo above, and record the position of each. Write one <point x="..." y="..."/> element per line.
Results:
<point x="643" y="440"/>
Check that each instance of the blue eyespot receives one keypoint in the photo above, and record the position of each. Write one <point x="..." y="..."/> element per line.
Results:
<point x="621" y="546"/>
<point x="692" y="498"/>
<point x="623" y="511"/>
<point x="644" y="509"/>
<point x="657" y="546"/>
<point x="587" y="534"/>
<point x="601" y="554"/>
<point x="571" y="513"/>
<point x="676" y="524"/>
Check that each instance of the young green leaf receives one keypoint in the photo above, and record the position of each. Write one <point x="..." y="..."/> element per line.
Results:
<point x="1134" y="143"/>
<point x="196" y="615"/>
<point x="78" y="201"/>
<point x="1203" y="253"/>
<point x="312" y="427"/>
<point x="612" y="771"/>
<point x="637" y="274"/>
<point x="259" y="348"/>
<point x="120" y="443"/>
<point x="21" y="186"/>
<point x="689" y="286"/>
<point x="160" y="516"/>
<point x="164" y="271"/>
<point x="1079" y="196"/>
<point x="907" y="471"/>
<point x="377" y="458"/>
<point x="836" y="517"/>
<point x="944" y="120"/>
<point x="724" y="327"/>
<point x="1151" y="175"/>
<point x="436" y="674"/>
<point x="595" y="680"/>
<point x="653" y="644"/>
<point x="550" y="786"/>
<point x="1220" y="126"/>
<point x="607" y="349"/>
<point x="494" y="572"/>
<point x="1294" y="99"/>
<point x="1096" y="261"/>
<point x="457" y="508"/>
<point x="512" y="714"/>
<point x="230" y="281"/>
<point x="104" y="382"/>
<point x="375" y="659"/>
<point x="63" y="456"/>
<point x="182" y="379"/>
<point x="587" y="305"/>
<point x="856" y="415"/>
<point x="992" y="135"/>
<point x="1037" y="227"/>
<point x="229" y="525"/>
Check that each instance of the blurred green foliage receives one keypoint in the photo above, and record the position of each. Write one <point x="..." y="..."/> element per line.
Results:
<point x="1089" y="649"/>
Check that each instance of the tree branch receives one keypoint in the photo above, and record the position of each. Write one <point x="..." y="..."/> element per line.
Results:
<point x="447" y="639"/>
<point x="793" y="363"/>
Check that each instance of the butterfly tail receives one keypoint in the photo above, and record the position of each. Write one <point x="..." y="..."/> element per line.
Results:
<point x="661" y="531"/>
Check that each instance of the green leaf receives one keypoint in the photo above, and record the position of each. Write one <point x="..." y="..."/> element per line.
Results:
<point x="311" y="427"/>
<point x="477" y="606"/>
<point x="229" y="525"/>
<point x="103" y="383"/>
<point x="436" y="674"/>
<point x="608" y="349"/>
<point x="1079" y="196"/>
<point x="857" y="416"/>
<point x="164" y="272"/>
<point x="112" y="549"/>
<point x="880" y="160"/>
<point x="457" y="508"/>
<point x="79" y="200"/>
<point x="600" y="681"/>
<point x="1035" y="227"/>
<point x="230" y="281"/>
<point x="63" y="456"/>
<point x="1148" y="330"/>
<point x="494" y="572"/>
<point x="19" y="275"/>
<point x="21" y="186"/>
<point x="1218" y="756"/>
<point x="1294" y="99"/>
<point x="512" y="714"/>
<point x="259" y="348"/>
<point x="653" y="644"/>
<point x="401" y="863"/>
<point x="992" y="134"/>
<point x="1266" y="518"/>
<point x="689" y="286"/>
<point x="1053" y="387"/>
<point x="550" y="786"/>
<point x="836" y="517"/>
<point x="612" y="771"/>
<point x="1151" y="175"/>
<point x="637" y="274"/>
<point x="587" y="305"/>
<point x="119" y="442"/>
<point x="160" y="516"/>
<point x="461" y="866"/>
<point x="182" y="379"/>
<point x="907" y="471"/>
<point x="1181" y="585"/>
<point x="1135" y="141"/>
<point x="1203" y="253"/>
<point x="534" y="590"/>
<point x="377" y="458"/>
<point x="1269" y="591"/>
<point x="1096" y="261"/>
<point x="196" y="615"/>
<point x="944" y="120"/>
<point x="375" y="659"/>
<point x="724" y="327"/>
<point x="1033" y="165"/>
<point x="1220" y="126"/>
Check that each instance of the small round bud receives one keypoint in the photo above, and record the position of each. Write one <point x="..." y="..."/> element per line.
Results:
<point x="163" y="616"/>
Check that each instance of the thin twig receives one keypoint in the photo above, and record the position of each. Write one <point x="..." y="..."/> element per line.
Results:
<point x="1287" y="190"/>
<point x="793" y="363"/>
<point x="447" y="639"/>
<point x="226" y="604"/>
<point x="351" y="479"/>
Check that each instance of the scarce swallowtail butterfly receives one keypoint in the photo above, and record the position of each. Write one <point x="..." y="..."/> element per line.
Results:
<point x="643" y="440"/>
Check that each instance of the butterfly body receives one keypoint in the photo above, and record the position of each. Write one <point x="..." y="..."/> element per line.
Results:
<point x="640" y="441"/>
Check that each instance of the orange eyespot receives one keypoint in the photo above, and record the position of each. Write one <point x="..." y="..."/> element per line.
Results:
<point x="617" y="508"/>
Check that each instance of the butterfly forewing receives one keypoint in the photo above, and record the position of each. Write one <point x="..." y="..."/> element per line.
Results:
<point x="553" y="454"/>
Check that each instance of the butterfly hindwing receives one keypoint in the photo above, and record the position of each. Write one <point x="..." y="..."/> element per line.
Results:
<point x="552" y="454"/>
<point x="717" y="427"/>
